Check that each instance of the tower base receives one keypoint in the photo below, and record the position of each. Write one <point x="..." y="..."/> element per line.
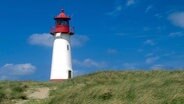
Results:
<point x="57" y="80"/>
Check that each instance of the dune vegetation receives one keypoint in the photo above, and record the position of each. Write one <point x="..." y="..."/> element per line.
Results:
<point x="107" y="87"/>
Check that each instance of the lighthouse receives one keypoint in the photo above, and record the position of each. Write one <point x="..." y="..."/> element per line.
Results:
<point x="61" y="67"/>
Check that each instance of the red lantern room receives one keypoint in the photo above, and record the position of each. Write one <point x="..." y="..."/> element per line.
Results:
<point x="62" y="24"/>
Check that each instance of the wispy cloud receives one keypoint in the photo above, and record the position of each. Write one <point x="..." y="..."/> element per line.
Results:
<point x="149" y="55"/>
<point x="148" y="8"/>
<point x="157" y="67"/>
<point x="112" y="51"/>
<point x="45" y="39"/>
<point x="118" y="9"/>
<point x="149" y="42"/>
<point x="131" y="35"/>
<point x="87" y="65"/>
<point x="176" y="34"/>
<point x="10" y="71"/>
<point x="79" y="40"/>
<point x="152" y="59"/>
<point x="90" y="63"/>
<point x="129" y="65"/>
<point x="130" y="2"/>
<point x="166" y="67"/>
<point x="158" y="15"/>
<point x="169" y="54"/>
<point x="119" y="6"/>
<point x="177" y="19"/>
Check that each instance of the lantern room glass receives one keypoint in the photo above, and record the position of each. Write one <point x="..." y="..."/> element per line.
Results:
<point x="62" y="22"/>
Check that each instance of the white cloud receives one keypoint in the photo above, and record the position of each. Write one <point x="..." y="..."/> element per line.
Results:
<point x="79" y="40"/>
<point x="176" y="34"/>
<point x="130" y="2"/>
<point x="169" y="54"/>
<point x="158" y="15"/>
<point x="146" y="28"/>
<point x="149" y="42"/>
<point x="130" y="65"/>
<point x="43" y="39"/>
<point x="112" y="51"/>
<point x="148" y="8"/>
<point x="140" y="50"/>
<point x="10" y="71"/>
<point x="119" y="7"/>
<point x="89" y="63"/>
<point x="177" y="19"/>
<point x="149" y="55"/>
<point x="116" y="11"/>
<point x="152" y="59"/>
<point x="157" y="67"/>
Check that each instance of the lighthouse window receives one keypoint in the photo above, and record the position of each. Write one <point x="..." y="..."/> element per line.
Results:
<point x="64" y="23"/>
<point x="58" y="22"/>
<point x="67" y="47"/>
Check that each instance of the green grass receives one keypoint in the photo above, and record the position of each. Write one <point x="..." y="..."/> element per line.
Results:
<point x="11" y="90"/>
<point x="136" y="87"/>
<point x="109" y="87"/>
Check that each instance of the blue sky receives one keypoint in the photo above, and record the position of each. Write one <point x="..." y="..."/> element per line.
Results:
<point x="109" y="34"/>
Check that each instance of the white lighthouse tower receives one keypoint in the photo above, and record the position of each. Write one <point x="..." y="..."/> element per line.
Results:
<point x="61" y="68"/>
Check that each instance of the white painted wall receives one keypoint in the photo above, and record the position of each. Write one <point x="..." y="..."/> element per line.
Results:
<point x="61" y="57"/>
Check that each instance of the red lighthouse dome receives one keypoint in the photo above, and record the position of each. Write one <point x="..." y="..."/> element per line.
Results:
<point x="62" y="24"/>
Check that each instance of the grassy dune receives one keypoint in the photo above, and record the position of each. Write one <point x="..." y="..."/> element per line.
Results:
<point x="124" y="87"/>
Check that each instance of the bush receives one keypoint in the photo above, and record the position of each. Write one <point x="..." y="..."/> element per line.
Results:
<point x="2" y="95"/>
<point x="106" y="96"/>
<point x="18" y="89"/>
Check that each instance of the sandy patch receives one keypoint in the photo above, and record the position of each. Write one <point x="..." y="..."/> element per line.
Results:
<point x="39" y="93"/>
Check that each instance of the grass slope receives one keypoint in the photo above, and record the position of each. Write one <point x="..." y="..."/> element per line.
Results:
<point x="124" y="87"/>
